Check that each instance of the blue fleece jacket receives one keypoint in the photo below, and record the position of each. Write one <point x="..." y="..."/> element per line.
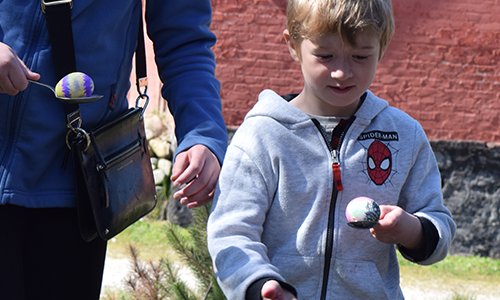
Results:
<point x="32" y="123"/>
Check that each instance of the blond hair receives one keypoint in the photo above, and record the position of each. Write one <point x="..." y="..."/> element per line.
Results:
<point x="311" y="19"/>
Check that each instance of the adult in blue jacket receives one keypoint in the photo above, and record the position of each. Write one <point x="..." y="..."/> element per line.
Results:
<point x="41" y="252"/>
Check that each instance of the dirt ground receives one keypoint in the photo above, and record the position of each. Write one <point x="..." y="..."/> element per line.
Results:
<point x="117" y="270"/>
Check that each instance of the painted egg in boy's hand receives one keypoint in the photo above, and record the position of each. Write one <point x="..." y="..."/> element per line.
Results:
<point x="362" y="212"/>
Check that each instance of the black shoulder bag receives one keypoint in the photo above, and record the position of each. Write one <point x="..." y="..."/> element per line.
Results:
<point x="114" y="182"/>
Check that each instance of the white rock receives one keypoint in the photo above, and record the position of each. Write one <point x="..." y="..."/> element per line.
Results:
<point x="154" y="123"/>
<point x="165" y="165"/>
<point x="159" y="176"/>
<point x="160" y="147"/>
<point x="154" y="162"/>
<point x="149" y="134"/>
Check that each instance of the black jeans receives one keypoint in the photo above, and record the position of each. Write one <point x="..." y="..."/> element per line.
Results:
<point x="42" y="255"/>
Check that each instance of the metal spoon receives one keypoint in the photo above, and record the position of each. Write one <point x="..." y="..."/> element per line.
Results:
<point x="78" y="100"/>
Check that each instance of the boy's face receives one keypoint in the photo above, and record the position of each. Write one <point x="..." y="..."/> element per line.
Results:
<point x="336" y="74"/>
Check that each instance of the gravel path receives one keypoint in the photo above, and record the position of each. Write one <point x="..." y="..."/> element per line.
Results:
<point x="117" y="270"/>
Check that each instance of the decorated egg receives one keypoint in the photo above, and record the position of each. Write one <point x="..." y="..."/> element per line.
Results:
<point x="75" y="85"/>
<point x="362" y="212"/>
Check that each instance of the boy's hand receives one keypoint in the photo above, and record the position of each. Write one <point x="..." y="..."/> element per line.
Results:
<point x="199" y="169"/>
<point x="396" y="226"/>
<point x="13" y="72"/>
<point x="272" y="290"/>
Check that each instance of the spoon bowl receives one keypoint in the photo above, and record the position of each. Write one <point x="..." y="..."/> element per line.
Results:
<point x="77" y="100"/>
<point x="363" y="224"/>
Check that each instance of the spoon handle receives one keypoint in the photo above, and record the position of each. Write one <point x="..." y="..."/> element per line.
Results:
<point x="43" y="84"/>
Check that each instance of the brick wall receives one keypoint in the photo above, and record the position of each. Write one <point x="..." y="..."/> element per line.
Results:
<point x="442" y="66"/>
<point x="251" y="54"/>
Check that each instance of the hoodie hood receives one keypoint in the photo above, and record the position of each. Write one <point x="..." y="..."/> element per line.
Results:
<point x="272" y="105"/>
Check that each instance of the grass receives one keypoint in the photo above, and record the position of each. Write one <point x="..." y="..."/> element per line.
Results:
<point x="461" y="278"/>
<point x="460" y="266"/>
<point x="146" y="235"/>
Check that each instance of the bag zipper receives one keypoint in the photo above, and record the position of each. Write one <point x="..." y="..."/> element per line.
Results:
<point x="120" y="155"/>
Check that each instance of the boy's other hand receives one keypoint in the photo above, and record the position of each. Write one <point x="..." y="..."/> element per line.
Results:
<point x="396" y="226"/>
<point x="272" y="290"/>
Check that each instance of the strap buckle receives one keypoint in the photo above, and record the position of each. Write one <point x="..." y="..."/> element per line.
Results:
<point x="58" y="2"/>
<point x="80" y="134"/>
<point x="142" y="83"/>
<point x="76" y="118"/>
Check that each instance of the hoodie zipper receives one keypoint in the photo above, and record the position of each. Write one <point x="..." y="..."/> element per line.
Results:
<point x="337" y="186"/>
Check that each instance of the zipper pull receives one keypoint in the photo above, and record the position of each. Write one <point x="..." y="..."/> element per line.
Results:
<point x="337" y="178"/>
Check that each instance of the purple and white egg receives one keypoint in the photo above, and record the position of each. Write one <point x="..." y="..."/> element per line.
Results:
<point x="75" y="85"/>
<point x="362" y="212"/>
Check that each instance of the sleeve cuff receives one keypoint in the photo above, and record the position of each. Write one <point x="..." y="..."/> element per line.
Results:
<point x="430" y="241"/>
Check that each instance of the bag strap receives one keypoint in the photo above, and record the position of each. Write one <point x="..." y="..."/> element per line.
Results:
<point x="141" y="73"/>
<point x="141" y="76"/>
<point x="58" y="18"/>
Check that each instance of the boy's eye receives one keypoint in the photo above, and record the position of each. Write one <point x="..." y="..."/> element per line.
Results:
<point x="360" y="57"/>
<point x="323" y="57"/>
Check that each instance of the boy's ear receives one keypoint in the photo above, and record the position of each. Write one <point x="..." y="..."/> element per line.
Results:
<point x="291" y="45"/>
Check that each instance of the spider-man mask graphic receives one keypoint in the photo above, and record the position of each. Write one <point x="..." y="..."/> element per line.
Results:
<point x="379" y="162"/>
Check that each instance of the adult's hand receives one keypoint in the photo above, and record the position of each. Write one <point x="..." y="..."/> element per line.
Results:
<point x="14" y="74"/>
<point x="198" y="169"/>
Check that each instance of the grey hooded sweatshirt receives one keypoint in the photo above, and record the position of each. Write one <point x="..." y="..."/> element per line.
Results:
<point x="278" y="212"/>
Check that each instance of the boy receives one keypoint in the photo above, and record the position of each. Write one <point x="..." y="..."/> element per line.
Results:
<point x="278" y="228"/>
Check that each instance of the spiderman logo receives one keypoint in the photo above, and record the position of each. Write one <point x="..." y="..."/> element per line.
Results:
<point x="379" y="162"/>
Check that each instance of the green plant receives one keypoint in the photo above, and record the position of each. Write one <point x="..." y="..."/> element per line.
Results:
<point x="158" y="280"/>
<point x="192" y="248"/>
<point x="145" y="282"/>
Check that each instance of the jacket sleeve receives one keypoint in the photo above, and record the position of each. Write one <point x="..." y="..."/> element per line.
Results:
<point x="422" y="196"/>
<point x="186" y="65"/>
<point x="242" y="199"/>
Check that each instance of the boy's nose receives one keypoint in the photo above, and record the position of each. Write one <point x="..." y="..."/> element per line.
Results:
<point x="341" y="69"/>
<point x="341" y="73"/>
